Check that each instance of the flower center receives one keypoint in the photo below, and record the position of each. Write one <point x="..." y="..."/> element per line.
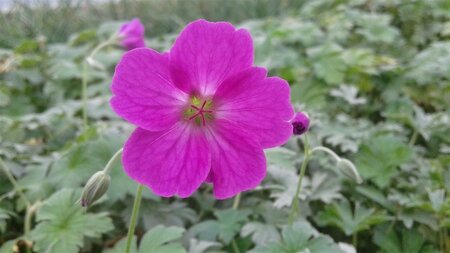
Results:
<point x="199" y="111"/>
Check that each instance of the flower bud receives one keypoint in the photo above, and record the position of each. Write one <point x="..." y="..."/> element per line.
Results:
<point x="95" y="188"/>
<point x="132" y="34"/>
<point x="300" y="123"/>
<point x="349" y="169"/>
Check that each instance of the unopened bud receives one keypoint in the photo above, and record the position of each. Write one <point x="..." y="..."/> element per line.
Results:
<point x="95" y="188"/>
<point x="94" y="63"/>
<point x="349" y="169"/>
<point x="300" y="123"/>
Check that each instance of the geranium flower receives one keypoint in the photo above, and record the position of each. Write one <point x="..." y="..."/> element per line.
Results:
<point x="132" y="34"/>
<point x="203" y="112"/>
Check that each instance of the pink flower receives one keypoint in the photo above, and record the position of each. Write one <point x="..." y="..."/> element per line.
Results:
<point x="203" y="112"/>
<point x="132" y="34"/>
<point x="300" y="123"/>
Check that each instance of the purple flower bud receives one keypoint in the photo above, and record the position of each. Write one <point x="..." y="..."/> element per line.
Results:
<point x="132" y="34"/>
<point x="300" y="122"/>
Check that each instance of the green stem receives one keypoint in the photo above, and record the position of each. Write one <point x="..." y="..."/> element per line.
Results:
<point x="413" y="138"/>
<point x="112" y="161"/>
<point x="446" y="246"/>
<point x="235" y="246"/>
<point x="85" y="75"/>
<point x="328" y="151"/>
<point x="134" y="216"/>
<point x="27" y="224"/>
<point x="84" y="80"/>
<point x="295" y="202"/>
<point x="16" y="185"/>
<point x="355" y="240"/>
<point x="100" y="46"/>
<point x="236" y="201"/>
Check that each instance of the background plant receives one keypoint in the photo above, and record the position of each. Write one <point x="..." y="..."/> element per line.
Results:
<point x="373" y="75"/>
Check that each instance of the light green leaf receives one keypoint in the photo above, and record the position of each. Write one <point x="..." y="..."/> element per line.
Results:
<point x="262" y="234"/>
<point x="230" y="222"/>
<point x="408" y="241"/>
<point x="160" y="239"/>
<point x="62" y="224"/>
<point x="328" y="63"/>
<point x="350" y="222"/>
<point x="379" y="158"/>
<point x="301" y="237"/>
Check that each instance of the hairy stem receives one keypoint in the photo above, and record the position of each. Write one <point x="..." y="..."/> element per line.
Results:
<point x="295" y="202"/>
<point x="328" y="151"/>
<point x="134" y="216"/>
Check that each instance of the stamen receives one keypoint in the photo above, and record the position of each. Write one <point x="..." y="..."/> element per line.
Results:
<point x="200" y="110"/>
<point x="195" y="115"/>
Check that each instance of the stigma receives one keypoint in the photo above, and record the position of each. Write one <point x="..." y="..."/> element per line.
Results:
<point x="199" y="111"/>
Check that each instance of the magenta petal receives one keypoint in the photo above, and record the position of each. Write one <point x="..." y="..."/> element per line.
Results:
<point x="206" y="53"/>
<point x="259" y="104"/>
<point x="144" y="93"/>
<point x="238" y="162"/>
<point x="171" y="163"/>
<point x="132" y="34"/>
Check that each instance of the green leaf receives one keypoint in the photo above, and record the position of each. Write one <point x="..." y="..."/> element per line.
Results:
<point x="262" y="234"/>
<point x="8" y="246"/>
<point x="121" y="246"/>
<point x="375" y="195"/>
<point x="281" y="157"/>
<point x="300" y="237"/>
<point x="350" y="222"/>
<point x="160" y="239"/>
<point x="230" y="222"/>
<point x="437" y="199"/>
<point x="328" y="63"/>
<point x="379" y="158"/>
<point x="62" y="224"/>
<point x="196" y="246"/>
<point x="27" y="46"/>
<point x="408" y="241"/>
<point x="84" y="159"/>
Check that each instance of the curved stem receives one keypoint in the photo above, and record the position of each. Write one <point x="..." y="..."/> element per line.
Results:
<point x="85" y="75"/>
<point x="112" y="161"/>
<point x="295" y="202"/>
<point x="16" y="185"/>
<point x="328" y="151"/>
<point x="134" y="215"/>
<point x="100" y="46"/>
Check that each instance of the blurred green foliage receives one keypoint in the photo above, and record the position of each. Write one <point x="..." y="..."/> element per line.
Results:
<point x="373" y="75"/>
